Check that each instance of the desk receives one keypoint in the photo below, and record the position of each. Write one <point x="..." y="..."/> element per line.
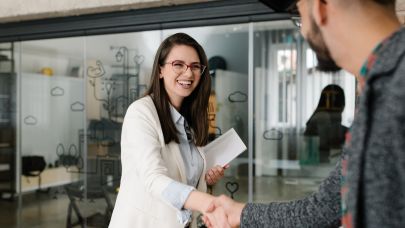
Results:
<point x="50" y="177"/>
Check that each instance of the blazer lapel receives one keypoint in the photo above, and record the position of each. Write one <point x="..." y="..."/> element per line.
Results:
<point x="175" y="150"/>
<point x="202" y="185"/>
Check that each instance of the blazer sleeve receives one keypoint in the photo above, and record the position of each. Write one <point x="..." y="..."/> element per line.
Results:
<point x="321" y="209"/>
<point x="141" y="149"/>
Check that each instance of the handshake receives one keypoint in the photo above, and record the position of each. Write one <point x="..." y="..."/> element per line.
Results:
<point x="223" y="212"/>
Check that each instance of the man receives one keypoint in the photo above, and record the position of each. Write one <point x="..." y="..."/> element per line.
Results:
<point x="365" y="38"/>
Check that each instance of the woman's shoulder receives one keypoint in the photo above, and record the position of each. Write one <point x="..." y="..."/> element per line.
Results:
<point x="142" y="105"/>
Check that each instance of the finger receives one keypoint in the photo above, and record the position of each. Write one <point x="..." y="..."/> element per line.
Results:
<point x="215" y="174"/>
<point x="217" y="171"/>
<point x="214" y="179"/>
<point x="210" y="208"/>
<point x="222" y="170"/>
<point x="211" y="220"/>
<point x="217" y="202"/>
<point x="226" y="166"/>
<point x="221" y="218"/>
<point x="206" y="220"/>
<point x="208" y="179"/>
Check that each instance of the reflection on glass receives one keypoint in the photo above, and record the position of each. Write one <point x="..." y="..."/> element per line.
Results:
<point x="294" y="148"/>
<point x="324" y="130"/>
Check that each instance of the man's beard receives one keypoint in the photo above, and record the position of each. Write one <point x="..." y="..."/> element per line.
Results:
<point x="317" y="43"/>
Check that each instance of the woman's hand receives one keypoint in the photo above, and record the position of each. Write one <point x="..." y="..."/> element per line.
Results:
<point x="214" y="174"/>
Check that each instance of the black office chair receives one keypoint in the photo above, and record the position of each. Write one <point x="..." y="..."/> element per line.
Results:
<point x="33" y="166"/>
<point x="76" y="193"/>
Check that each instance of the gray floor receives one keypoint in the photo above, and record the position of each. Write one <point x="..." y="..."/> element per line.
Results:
<point x="45" y="210"/>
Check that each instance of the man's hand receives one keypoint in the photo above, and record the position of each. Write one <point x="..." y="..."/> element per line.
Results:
<point x="214" y="174"/>
<point x="232" y="210"/>
<point x="217" y="218"/>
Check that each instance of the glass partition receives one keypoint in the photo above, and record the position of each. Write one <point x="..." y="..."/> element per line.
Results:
<point x="51" y="123"/>
<point x="118" y="69"/>
<point x="62" y="108"/>
<point x="301" y="114"/>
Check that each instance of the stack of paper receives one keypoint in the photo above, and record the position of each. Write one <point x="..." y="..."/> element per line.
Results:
<point x="224" y="149"/>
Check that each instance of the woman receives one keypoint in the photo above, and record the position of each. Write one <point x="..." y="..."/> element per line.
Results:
<point x="163" y="167"/>
<point x="325" y="123"/>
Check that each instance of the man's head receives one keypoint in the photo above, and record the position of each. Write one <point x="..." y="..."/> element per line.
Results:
<point x="314" y="14"/>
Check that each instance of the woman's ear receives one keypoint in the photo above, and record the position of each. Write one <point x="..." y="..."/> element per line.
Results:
<point x="160" y="73"/>
<point x="320" y="11"/>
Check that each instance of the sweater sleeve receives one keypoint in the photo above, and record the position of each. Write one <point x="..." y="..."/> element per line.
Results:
<point x="320" y="209"/>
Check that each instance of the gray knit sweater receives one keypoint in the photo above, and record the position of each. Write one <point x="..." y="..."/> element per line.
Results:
<point x="376" y="159"/>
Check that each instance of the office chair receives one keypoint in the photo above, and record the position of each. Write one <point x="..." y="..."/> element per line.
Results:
<point x="33" y="166"/>
<point x="76" y="193"/>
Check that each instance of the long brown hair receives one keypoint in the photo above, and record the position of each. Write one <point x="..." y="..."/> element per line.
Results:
<point x="194" y="107"/>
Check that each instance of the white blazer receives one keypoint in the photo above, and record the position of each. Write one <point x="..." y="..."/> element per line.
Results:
<point x="148" y="166"/>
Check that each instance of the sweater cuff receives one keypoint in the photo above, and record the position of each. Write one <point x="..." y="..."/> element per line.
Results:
<point x="252" y="215"/>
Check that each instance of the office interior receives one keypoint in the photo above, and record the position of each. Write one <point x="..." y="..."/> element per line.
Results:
<point x="63" y="100"/>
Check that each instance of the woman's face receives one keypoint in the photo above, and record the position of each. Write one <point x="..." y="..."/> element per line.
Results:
<point x="180" y="73"/>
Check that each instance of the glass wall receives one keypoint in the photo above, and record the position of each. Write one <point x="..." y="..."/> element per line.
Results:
<point x="60" y="147"/>
<point x="52" y="112"/>
<point x="301" y="115"/>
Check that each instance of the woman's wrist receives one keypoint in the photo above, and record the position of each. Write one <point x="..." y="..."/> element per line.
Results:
<point x="198" y="201"/>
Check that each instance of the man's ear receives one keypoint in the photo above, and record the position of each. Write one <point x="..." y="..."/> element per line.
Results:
<point x="320" y="11"/>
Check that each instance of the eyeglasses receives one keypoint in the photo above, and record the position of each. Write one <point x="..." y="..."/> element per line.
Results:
<point x="180" y="67"/>
<point x="296" y="21"/>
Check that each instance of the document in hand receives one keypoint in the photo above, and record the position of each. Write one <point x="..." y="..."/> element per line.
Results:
<point x="224" y="149"/>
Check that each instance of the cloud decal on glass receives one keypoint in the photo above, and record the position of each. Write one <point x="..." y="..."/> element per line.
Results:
<point x="57" y="91"/>
<point x="272" y="134"/>
<point x="77" y="107"/>
<point x="30" y="120"/>
<point x="237" y="97"/>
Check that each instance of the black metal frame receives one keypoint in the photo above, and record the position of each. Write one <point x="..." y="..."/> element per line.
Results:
<point x="167" y="17"/>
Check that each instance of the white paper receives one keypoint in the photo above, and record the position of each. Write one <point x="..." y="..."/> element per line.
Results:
<point x="224" y="149"/>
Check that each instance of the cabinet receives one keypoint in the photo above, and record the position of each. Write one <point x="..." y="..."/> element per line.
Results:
<point x="7" y="120"/>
